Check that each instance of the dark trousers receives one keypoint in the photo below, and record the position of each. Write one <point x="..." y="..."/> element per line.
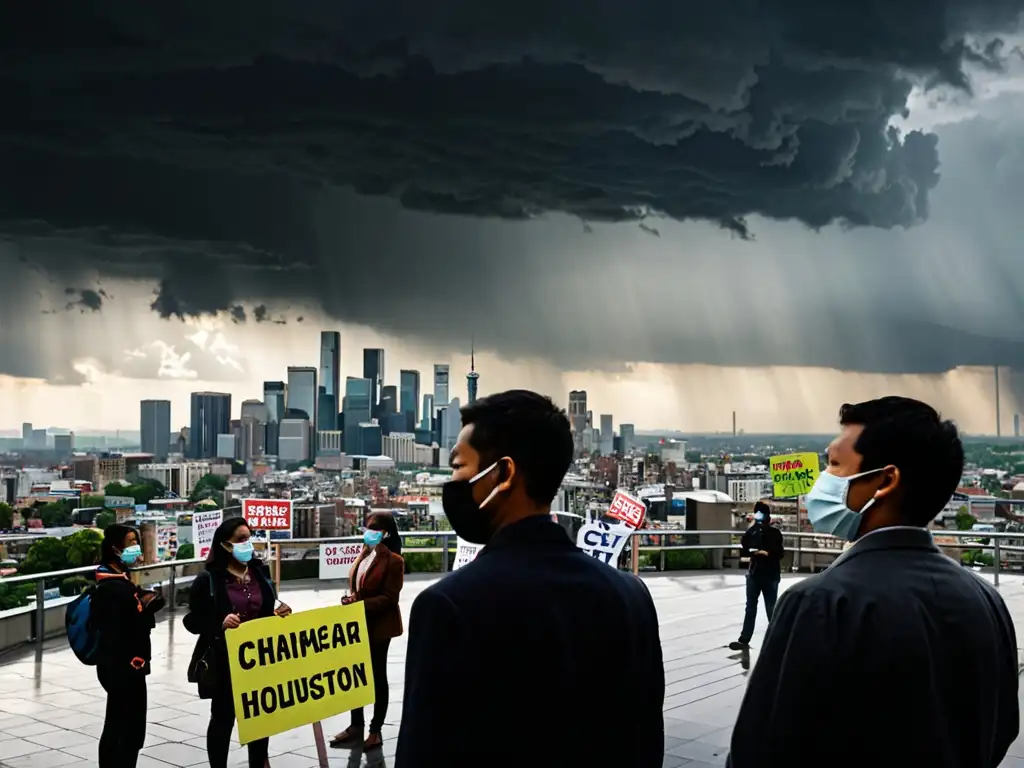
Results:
<point x="757" y="586"/>
<point x="218" y="734"/>
<point x="379" y="662"/>
<point x="124" y="726"/>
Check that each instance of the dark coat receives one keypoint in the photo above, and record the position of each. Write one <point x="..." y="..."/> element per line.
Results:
<point x="534" y="654"/>
<point x="124" y="614"/>
<point x="379" y="592"/>
<point x="206" y="614"/>
<point x="893" y="656"/>
<point x="763" y="536"/>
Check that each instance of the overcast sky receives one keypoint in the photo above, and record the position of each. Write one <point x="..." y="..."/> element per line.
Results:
<point x="766" y="214"/>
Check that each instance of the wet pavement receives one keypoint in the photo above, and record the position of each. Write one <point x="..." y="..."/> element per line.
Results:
<point x="51" y="713"/>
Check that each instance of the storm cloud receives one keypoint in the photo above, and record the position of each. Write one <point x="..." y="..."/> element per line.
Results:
<point x="248" y="158"/>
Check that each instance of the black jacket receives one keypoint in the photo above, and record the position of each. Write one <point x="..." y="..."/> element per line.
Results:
<point x="534" y="654"/>
<point x="124" y="619"/>
<point x="763" y="536"/>
<point x="208" y="605"/>
<point x="893" y="656"/>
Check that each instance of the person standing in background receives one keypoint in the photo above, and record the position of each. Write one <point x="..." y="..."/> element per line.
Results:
<point x="762" y="543"/>
<point x="376" y="581"/>
<point x="523" y="641"/>
<point x="233" y="589"/>
<point x="895" y="655"/>
<point x="124" y="616"/>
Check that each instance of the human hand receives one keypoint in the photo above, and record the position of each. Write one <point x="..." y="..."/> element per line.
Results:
<point x="232" y="621"/>
<point x="348" y="599"/>
<point x="282" y="610"/>
<point x="761" y="552"/>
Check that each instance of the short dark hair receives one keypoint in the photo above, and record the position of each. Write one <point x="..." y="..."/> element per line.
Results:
<point x="763" y="508"/>
<point x="114" y="536"/>
<point x="529" y="429"/>
<point x="911" y="436"/>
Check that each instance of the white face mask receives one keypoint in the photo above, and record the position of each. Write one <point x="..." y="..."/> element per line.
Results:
<point x="827" y="511"/>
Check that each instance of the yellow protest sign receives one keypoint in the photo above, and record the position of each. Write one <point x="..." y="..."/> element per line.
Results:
<point x="793" y="474"/>
<point x="292" y="671"/>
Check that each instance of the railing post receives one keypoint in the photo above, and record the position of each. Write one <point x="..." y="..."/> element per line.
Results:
<point x="277" y="568"/>
<point x="799" y="548"/>
<point x="173" y="589"/>
<point x="444" y="553"/>
<point x="995" y="558"/>
<point x="40" y="610"/>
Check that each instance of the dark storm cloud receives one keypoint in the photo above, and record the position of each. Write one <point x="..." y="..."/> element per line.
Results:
<point x="189" y="145"/>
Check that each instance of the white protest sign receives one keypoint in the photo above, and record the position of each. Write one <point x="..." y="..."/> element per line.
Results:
<point x="604" y="541"/>
<point x="466" y="553"/>
<point x="204" y="525"/>
<point x="336" y="560"/>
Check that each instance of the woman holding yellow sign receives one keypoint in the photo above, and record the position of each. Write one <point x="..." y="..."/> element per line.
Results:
<point x="233" y="589"/>
<point x="376" y="579"/>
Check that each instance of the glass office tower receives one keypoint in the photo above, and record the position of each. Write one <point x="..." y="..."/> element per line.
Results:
<point x="155" y="428"/>
<point x="274" y="397"/>
<point x="373" y="369"/>
<point x="211" y="416"/>
<point x="358" y="393"/>
<point x="409" y="397"/>
<point x="329" y="396"/>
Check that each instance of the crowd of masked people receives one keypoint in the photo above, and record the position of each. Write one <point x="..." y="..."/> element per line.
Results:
<point x="536" y="654"/>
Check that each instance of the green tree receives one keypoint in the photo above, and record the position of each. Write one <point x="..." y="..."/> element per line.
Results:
<point x="56" y="514"/>
<point x="84" y="547"/>
<point x="103" y="519"/>
<point x="14" y="595"/>
<point x="6" y="516"/>
<point x="965" y="521"/>
<point x="49" y="554"/>
<point x="185" y="552"/>
<point x="210" y="486"/>
<point x="92" y="500"/>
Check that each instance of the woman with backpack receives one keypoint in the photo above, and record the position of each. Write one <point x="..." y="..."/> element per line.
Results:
<point x="376" y="580"/>
<point x="233" y="589"/>
<point x="123" y="616"/>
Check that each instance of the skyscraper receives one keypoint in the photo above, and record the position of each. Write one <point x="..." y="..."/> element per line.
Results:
<point x="388" y="401"/>
<point x="441" y="384"/>
<point x="578" y="417"/>
<point x="472" y="378"/>
<point x="628" y="438"/>
<point x="155" y="427"/>
<point x="607" y="435"/>
<point x="357" y="411"/>
<point x="329" y="396"/>
<point x="302" y="392"/>
<point x="274" y="397"/>
<point x="427" y="420"/>
<point x="373" y="369"/>
<point x="210" y="416"/>
<point x="409" y="396"/>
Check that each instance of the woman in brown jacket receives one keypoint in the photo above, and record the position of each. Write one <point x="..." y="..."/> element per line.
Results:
<point x="376" y="579"/>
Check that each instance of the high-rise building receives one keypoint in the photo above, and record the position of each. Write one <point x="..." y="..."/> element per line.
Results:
<point x="388" y="401"/>
<point x="155" y="428"/>
<point x="373" y="369"/>
<point x="1016" y="425"/>
<point x="210" y="417"/>
<point x="607" y="435"/>
<point x="427" y="420"/>
<point x="253" y="439"/>
<point x="302" y="392"/>
<point x="357" y="407"/>
<point x="370" y="439"/>
<point x="451" y="424"/>
<point x="628" y="438"/>
<point x="274" y="397"/>
<point x="64" y="445"/>
<point x="409" y="396"/>
<point x="578" y="417"/>
<point x="472" y="378"/>
<point x="26" y="435"/>
<point x="329" y="397"/>
<point x="400" y="446"/>
<point x="293" y="444"/>
<point x="441" y="371"/>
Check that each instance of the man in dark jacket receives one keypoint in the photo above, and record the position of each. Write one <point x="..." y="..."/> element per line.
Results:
<point x="895" y="656"/>
<point x="509" y="654"/>
<point x="762" y="543"/>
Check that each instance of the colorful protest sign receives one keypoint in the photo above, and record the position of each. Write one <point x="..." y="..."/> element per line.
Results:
<point x="604" y="541"/>
<point x="465" y="553"/>
<point x="268" y="514"/>
<point x="336" y="560"/>
<point x="793" y="474"/>
<point x="293" y="671"/>
<point x="627" y="509"/>
<point x="204" y="525"/>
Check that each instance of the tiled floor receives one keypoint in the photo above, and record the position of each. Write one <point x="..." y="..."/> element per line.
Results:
<point x="51" y="712"/>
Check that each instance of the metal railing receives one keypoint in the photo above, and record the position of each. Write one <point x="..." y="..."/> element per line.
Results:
<point x="445" y="540"/>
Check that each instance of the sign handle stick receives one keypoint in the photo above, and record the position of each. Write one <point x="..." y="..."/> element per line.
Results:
<point x="277" y="568"/>
<point x="321" y="747"/>
<point x="634" y="555"/>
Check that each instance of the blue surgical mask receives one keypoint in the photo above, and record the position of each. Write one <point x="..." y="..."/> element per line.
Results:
<point x="372" y="538"/>
<point x="242" y="551"/>
<point x="826" y="506"/>
<point x="759" y="516"/>
<point x="130" y="554"/>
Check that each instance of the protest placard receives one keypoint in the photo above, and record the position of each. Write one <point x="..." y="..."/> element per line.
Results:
<point x="268" y="514"/>
<point x="628" y="509"/>
<point x="465" y="553"/>
<point x="336" y="560"/>
<point x="204" y="525"/>
<point x="604" y="541"/>
<point x="793" y="474"/>
<point x="293" y="671"/>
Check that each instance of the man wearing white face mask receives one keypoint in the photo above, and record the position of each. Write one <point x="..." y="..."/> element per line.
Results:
<point x="895" y="650"/>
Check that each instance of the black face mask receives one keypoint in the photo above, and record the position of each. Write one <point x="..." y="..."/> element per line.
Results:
<point x="469" y="520"/>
